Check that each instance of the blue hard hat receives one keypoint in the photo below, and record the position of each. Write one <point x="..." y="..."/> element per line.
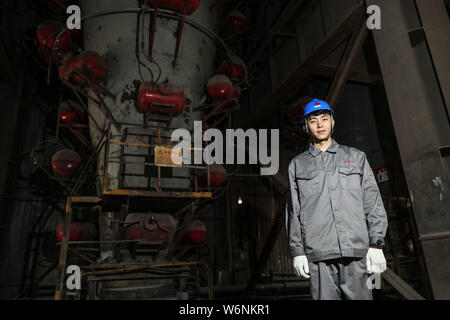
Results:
<point x="315" y="105"/>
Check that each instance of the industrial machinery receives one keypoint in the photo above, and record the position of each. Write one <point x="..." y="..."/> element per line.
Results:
<point x="217" y="176"/>
<point x="160" y="102"/>
<point x="71" y="112"/>
<point x="87" y="65"/>
<point x="79" y="231"/>
<point x="233" y="70"/>
<point x="131" y="86"/>
<point x="65" y="162"/>
<point x="101" y="114"/>
<point x="54" y="40"/>
<point x="234" y="22"/>
<point x="223" y="99"/>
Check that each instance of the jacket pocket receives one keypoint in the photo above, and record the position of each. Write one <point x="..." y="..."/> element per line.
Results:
<point x="350" y="177"/>
<point x="308" y="182"/>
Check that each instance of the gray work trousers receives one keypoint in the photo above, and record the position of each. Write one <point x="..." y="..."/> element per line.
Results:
<point x="337" y="279"/>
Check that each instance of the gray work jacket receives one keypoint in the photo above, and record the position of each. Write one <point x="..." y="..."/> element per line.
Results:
<point x="334" y="207"/>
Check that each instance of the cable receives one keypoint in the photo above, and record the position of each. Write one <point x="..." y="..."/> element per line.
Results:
<point x="159" y="68"/>
<point x="137" y="49"/>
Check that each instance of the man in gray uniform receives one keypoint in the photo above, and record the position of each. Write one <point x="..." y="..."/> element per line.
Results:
<point x="335" y="215"/>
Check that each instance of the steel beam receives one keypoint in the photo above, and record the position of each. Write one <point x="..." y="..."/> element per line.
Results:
<point x="354" y="76"/>
<point x="436" y="25"/>
<point x="343" y="71"/>
<point x="291" y="87"/>
<point x="401" y="286"/>
<point x="422" y="129"/>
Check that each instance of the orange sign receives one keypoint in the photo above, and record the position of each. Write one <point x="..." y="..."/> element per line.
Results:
<point x="165" y="157"/>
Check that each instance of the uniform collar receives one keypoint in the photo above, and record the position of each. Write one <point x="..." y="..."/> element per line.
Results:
<point x="334" y="146"/>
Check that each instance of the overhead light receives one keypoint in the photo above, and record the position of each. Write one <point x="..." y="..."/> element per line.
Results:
<point x="240" y="200"/>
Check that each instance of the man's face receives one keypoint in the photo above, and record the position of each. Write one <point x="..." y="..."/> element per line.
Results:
<point x="319" y="126"/>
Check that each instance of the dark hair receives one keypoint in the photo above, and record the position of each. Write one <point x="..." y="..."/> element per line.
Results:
<point x="318" y="113"/>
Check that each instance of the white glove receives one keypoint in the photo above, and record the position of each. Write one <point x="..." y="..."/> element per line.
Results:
<point x="301" y="267"/>
<point x="376" y="263"/>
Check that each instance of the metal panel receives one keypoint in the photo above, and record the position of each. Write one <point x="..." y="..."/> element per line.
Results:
<point x="418" y="115"/>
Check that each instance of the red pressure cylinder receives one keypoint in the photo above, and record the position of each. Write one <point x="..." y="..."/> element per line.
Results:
<point x="65" y="162"/>
<point x="217" y="176"/>
<point x="232" y="70"/>
<point x="176" y="5"/>
<point x="235" y="21"/>
<point x="195" y="233"/>
<point x="156" y="229"/>
<point x="53" y="38"/>
<point x="219" y="87"/>
<point x="76" y="34"/>
<point x="163" y="99"/>
<point x="89" y="63"/>
<point x="71" y="111"/>
<point x="53" y="35"/>
<point x="78" y="231"/>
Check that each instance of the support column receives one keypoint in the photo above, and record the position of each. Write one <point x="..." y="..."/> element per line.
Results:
<point x="419" y="115"/>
